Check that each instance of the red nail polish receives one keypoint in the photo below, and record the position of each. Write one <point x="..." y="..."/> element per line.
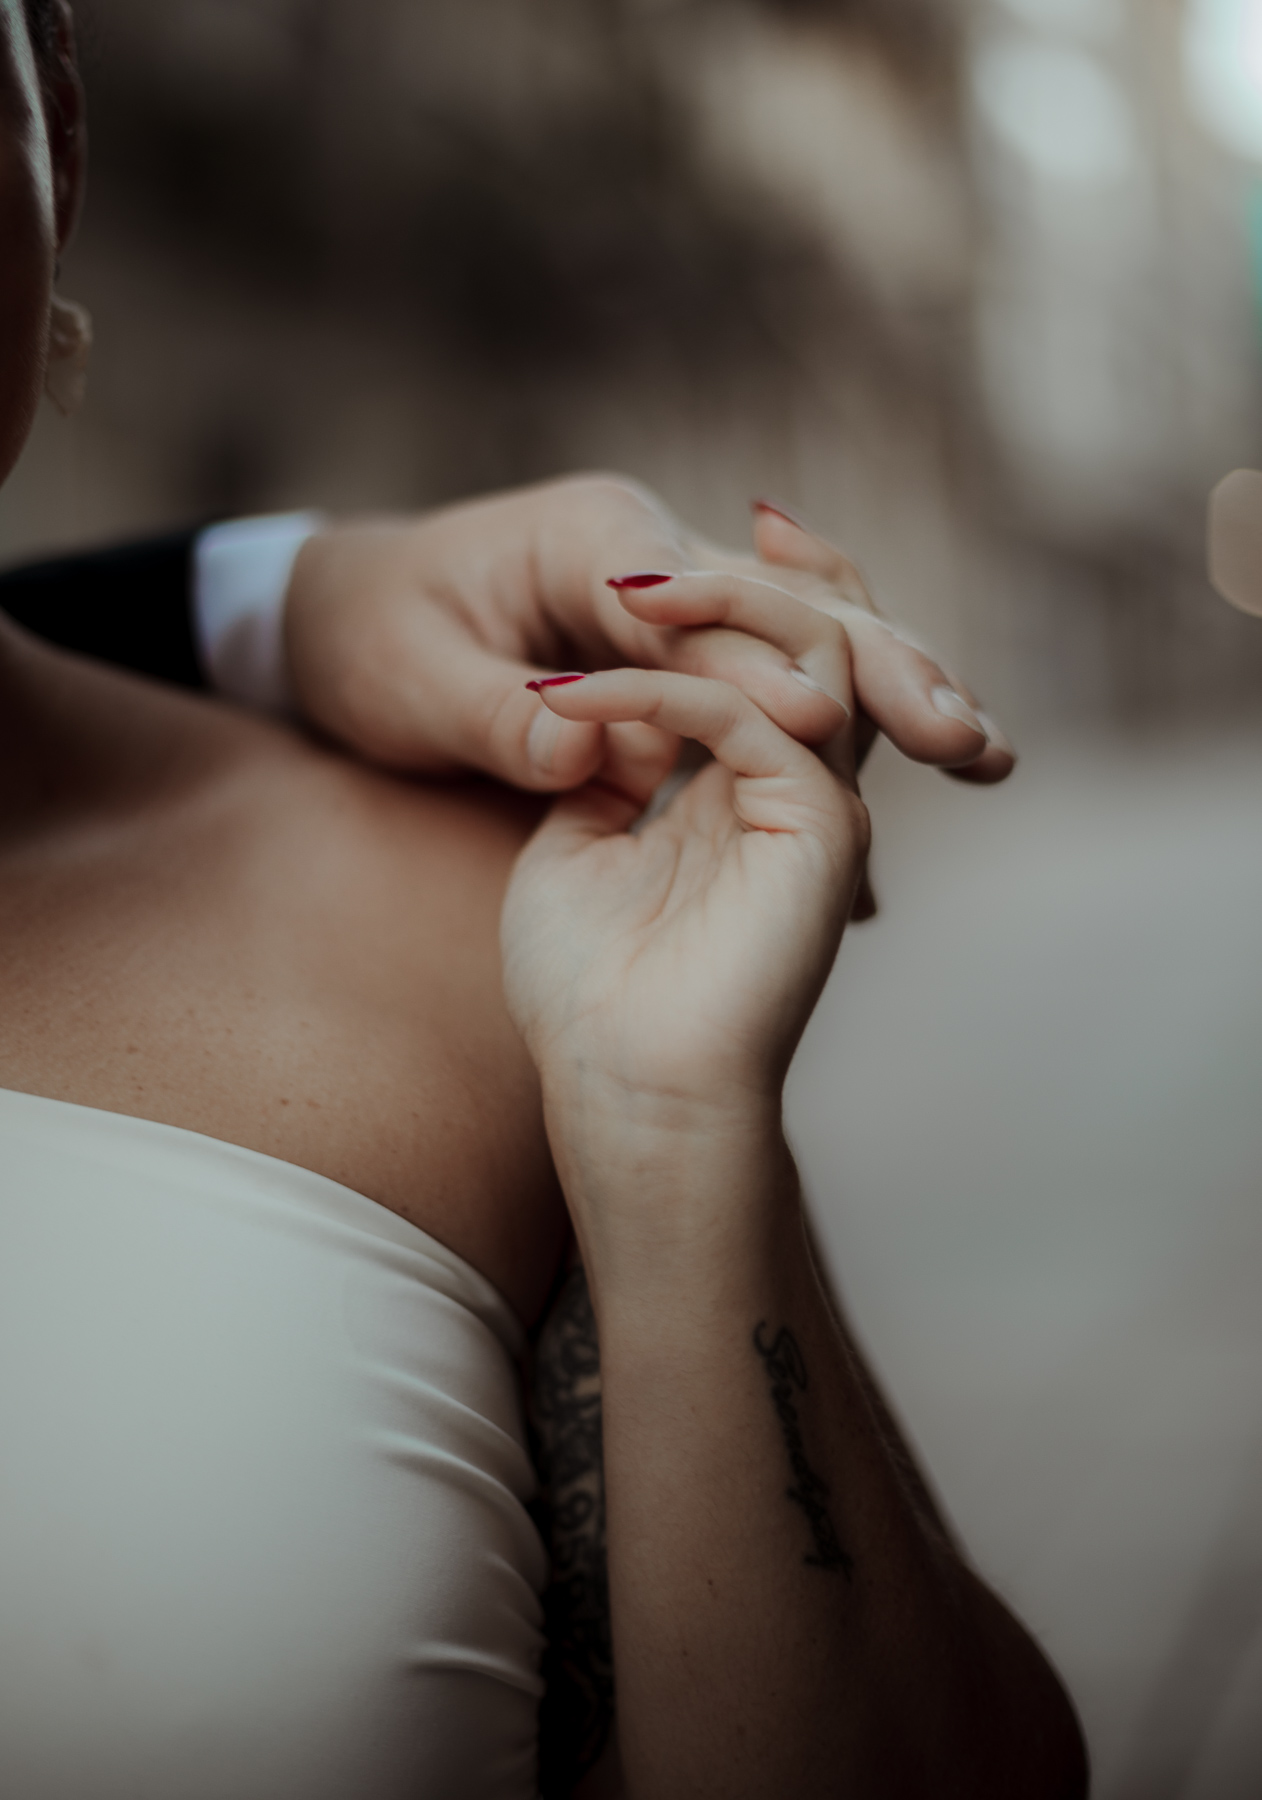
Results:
<point x="638" y="581"/>
<point x="553" y="681"/>
<point x="781" y="513"/>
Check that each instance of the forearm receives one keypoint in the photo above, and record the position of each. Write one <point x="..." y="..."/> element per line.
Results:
<point x="787" y="1615"/>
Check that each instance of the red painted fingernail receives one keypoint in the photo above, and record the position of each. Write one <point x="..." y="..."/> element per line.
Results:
<point x="638" y="581"/>
<point x="553" y="681"/>
<point x="781" y="513"/>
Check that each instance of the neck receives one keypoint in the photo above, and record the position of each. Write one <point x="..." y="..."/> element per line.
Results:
<point x="77" y="737"/>
<point x="19" y="690"/>
<point x="45" y="755"/>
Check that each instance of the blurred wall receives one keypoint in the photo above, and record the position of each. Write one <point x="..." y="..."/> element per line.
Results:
<point x="973" y="287"/>
<point x="965" y="284"/>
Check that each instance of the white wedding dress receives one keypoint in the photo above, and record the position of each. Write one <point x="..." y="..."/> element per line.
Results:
<point x="263" y="1484"/>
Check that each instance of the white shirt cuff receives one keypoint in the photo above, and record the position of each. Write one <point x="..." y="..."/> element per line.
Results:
<point x="241" y="574"/>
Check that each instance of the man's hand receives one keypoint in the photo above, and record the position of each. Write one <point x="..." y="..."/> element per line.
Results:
<point x="411" y="641"/>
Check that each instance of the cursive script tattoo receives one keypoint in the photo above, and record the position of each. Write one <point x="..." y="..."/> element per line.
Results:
<point x="786" y="1370"/>
<point x="564" y="1405"/>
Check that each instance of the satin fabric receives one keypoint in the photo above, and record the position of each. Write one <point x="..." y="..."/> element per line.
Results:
<point x="263" y="1484"/>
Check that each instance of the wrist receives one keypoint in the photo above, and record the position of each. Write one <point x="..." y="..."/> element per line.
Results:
<point x="587" y="1090"/>
<point x="609" y="1136"/>
<point x="664" y="1193"/>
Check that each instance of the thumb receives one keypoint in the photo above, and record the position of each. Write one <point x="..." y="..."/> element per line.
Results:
<point x="495" y="722"/>
<point x="484" y="714"/>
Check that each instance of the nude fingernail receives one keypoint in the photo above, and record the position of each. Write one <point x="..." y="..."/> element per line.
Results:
<point x="544" y="681"/>
<point x="994" y="735"/>
<point x="799" y="674"/>
<point x="954" y="706"/>
<point x="541" y="740"/>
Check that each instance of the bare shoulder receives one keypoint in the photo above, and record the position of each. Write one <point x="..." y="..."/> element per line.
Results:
<point x="243" y="933"/>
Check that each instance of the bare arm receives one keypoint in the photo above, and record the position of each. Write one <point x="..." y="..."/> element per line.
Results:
<point x="578" y="1739"/>
<point x="1001" y="1709"/>
<point x="788" y="1613"/>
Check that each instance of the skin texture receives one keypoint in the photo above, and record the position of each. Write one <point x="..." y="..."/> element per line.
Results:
<point x="209" y="922"/>
<point x="789" y="1615"/>
<point x="412" y="640"/>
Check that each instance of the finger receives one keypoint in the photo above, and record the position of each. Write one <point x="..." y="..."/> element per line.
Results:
<point x="780" y="537"/>
<point x="779" y="786"/>
<point x="791" y="658"/>
<point x="906" y="704"/>
<point x="847" y="652"/>
<point x="897" y="684"/>
<point x="910" y="697"/>
<point x="995" y="763"/>
<point x="638" y="759"/>
<point x="483" y="713"/>
<point x="533" y="748"/>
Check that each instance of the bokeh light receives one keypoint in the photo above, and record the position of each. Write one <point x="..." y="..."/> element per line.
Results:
<point x="1223" y="56"/>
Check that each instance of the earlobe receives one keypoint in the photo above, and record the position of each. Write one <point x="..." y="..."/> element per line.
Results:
<point x="69" y="348"/>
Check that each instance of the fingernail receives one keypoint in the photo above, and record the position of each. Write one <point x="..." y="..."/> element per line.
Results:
<point x="782" y="512"/>
<point x="808" y="681"/>
<point x="994" y="735"/>
<point x="646" y="580"/>
<point x="954" y="706"/>
<point x="537" y="687"/>
<point x="541" y="739"/>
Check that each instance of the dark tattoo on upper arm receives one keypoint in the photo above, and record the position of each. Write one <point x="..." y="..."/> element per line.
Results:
<point x="565" y="1420"/>
<point x="786" y="1370"/>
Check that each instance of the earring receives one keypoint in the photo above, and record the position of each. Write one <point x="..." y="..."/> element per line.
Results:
<point x="69" y="347"/>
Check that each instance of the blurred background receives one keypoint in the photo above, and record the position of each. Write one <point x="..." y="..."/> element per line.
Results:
<point x="976" y="287"/>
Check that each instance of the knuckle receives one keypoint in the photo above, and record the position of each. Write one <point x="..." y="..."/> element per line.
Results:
<point x="848" y="578"/>
<point x="612" y="492"/>
<point x="829" y="604"/>
<point x="652" y="710"/>
<point x="848" y="573"/>
<point x="732" y="708"/>
<point x="832" y="631"/>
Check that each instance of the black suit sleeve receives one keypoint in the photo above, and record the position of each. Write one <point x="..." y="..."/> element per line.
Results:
<point x="131" y="605"/>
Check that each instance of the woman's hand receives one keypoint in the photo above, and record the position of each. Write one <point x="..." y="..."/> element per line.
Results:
<point x="411" y="640"/>
<point x="788" y="1615"/>
<point x="662" y="979"/>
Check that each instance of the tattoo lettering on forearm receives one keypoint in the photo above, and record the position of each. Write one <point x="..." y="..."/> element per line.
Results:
<point x="564" y="1404"/>
<point x="786" y="1370"/>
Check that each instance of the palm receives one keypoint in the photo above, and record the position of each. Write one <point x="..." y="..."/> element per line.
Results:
<point x="685" y="958"/>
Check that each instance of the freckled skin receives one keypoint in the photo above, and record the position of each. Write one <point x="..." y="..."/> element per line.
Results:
<point x="210" y="923"/>
<point x="207" y="922"/>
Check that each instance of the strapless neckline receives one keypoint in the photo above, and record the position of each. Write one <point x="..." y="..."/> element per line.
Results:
<point x="95" y="1131"/>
